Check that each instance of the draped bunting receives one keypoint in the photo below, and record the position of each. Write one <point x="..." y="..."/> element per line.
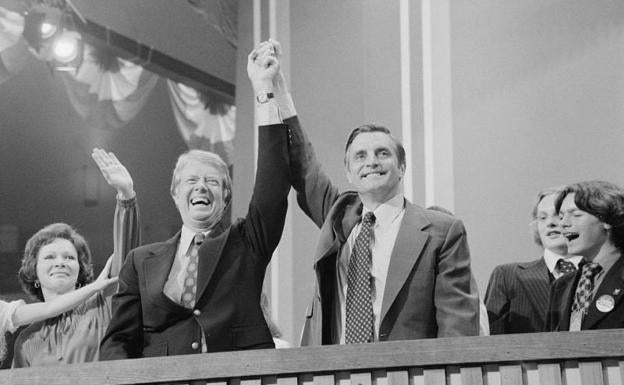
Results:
<point x="13" y="51"/>
<point x="107" y="99"/>
<point x="107" y="92"/>
<point x="205" y="122"/>
<point x="11" y="27"/>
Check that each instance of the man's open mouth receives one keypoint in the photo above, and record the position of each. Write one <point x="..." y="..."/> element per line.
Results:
<point x="571" y="235"/>
<point x="200" y="201"/>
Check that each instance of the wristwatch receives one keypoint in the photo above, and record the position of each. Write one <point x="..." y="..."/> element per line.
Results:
<point x="264" y="97"/>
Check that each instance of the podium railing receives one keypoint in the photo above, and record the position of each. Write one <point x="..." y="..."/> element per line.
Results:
<point x="585" y="358"/>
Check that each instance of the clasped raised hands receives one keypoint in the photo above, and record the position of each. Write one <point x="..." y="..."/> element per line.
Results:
<point x="263" y="66"/>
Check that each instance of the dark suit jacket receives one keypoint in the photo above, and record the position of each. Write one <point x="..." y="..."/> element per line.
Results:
<point x="232" y="263"/>
<point x="427" y="290"/>
<point x="517" y="297"/>
<point x="562" y="296"/>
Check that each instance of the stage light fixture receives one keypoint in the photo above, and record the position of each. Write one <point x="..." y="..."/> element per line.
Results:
<point x="65" y="47"/>
<point x="52" y="33"/>
<point x="41" y="24"/>
<point x="67" y="51"/>
<point x="48" y="30"/>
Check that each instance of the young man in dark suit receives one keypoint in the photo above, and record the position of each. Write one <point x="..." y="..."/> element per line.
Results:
<point x="386" y="269"/>
<point x="200" y="290"/>
<point x="517" y="294"/>
<point x="593" y="222"/>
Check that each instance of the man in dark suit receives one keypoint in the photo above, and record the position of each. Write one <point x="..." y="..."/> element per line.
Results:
<point x="200" y="290"/>
<point x="593" y="222"/>
<point x="402" y="272"/>
<point x="517" y="294"/>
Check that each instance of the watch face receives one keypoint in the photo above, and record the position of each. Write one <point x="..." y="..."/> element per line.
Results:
<point x="263" y="98"/>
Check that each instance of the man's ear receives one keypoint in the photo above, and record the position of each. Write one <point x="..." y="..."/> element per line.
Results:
<point x="606" y="226"/>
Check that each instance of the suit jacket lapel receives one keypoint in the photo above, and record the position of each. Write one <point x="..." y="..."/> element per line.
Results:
<point x="210" y="253"/>
<point x="535" y="280"/>
<point x="565" y="287"/>
<point x="612" y="283"/>
<point x="408" y="246"/>
<point x="342" y="224"/>
<point x="157" y="267"/>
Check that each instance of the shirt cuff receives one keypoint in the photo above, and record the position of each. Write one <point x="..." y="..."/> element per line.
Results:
<point x="286" y="105"/>
<point x="276" y="110"/>
<point x="268" y="113"/>
<point x="126" y="202"/>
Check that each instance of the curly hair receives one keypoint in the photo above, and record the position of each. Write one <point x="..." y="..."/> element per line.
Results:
<point x="604" y="200"/>
<point x="27" y="273"/>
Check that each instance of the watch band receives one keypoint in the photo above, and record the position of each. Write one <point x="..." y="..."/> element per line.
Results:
<point x="264" y="97"/>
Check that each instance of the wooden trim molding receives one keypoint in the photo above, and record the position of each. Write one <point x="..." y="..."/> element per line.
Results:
<point x="468" y="357"/>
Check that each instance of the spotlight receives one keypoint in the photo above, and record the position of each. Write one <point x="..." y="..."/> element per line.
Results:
<point x="67" y="51"/>
<point x="51" y="32"/>
<point x="65" y="47"/>
<point x="41" y="24"/>
<point x="48" y="30"/>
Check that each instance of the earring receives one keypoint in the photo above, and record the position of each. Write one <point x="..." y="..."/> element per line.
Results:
<point x="37" y="285"/>
<point x="78" y="285"/>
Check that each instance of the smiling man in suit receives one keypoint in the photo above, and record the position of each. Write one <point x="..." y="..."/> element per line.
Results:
<point x="593" y="222"/>
<point x="386" y="269"/>
<point x="517" y="294"/>
<point x="200" y="290"/>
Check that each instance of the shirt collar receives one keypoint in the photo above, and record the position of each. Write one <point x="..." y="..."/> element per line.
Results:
<point x="187" y="235"/>
<point x="551" y="258"/>
<point x="606" y="260"/>
<point x="388" y="211"/>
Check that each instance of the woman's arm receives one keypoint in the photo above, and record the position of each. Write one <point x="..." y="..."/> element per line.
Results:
<point x="126" y="230"/>
<point x="33" y="312"/>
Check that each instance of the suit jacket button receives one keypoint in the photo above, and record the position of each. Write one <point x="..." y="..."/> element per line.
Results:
<point x="195" y="345"/>
<point x="196" y="312"/>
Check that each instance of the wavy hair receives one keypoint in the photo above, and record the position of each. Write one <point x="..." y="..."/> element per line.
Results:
<point x="27" y="273"/>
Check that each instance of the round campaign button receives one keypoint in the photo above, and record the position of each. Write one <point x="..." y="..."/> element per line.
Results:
<point x="605" y="303"/>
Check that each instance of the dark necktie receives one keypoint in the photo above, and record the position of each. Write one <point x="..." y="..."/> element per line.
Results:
<point x="190" y="282"/>
<point x="359" y="306"/>
<point x="583" y="295"/>
<point x="565" y="267"/>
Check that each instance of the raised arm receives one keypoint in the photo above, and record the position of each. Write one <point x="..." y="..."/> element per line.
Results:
<point x="269" y="201"/>
<point x="126" y="229"/>
<point x="33" y="312"/>
<point x="315" y="192"/>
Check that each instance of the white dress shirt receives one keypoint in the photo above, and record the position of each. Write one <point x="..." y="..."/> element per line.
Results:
<point x="175" y="281"/>
<point x="388" y="218"/>
<point x="174" y="287"/>
<point x="551" y="258"/>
